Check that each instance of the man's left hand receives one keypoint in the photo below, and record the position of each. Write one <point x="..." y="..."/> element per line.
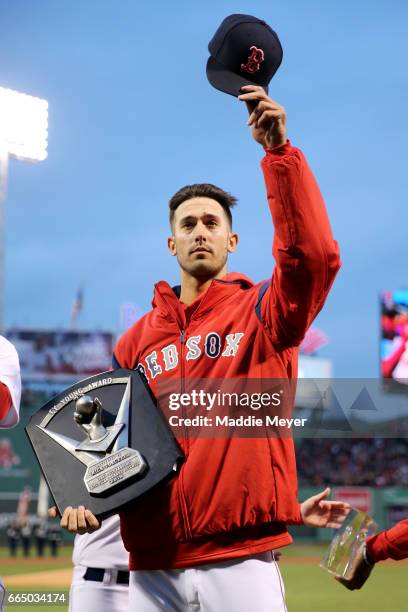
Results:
<point x="76" y="520"/>
<point x="267" y="118"/>
<point x="316" y="512"/>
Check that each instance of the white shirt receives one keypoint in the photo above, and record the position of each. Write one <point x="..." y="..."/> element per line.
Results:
<point x="10" y="376"/>
<point x="102" y="548"/>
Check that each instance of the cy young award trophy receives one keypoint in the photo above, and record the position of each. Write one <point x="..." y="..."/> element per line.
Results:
<point x="103" y="443"/>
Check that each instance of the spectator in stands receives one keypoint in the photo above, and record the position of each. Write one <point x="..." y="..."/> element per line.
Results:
<point x="353" y="462"/>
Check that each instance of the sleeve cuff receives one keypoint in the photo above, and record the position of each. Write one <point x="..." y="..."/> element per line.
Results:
<point x="298" y="519"/>
<point x="279" y="151"/>
<point x="376" y="547"/>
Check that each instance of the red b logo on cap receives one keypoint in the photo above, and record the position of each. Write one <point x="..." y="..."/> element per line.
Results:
<point x="254" y="60"/>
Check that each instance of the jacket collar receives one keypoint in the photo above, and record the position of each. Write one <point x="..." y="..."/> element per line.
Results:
<point x="166" y="298"/>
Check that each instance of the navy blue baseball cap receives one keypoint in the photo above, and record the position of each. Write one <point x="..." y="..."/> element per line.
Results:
<point x="244" y="51"/>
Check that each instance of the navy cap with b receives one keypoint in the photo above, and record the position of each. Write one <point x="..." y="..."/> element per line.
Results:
<point x="244" y="51"/>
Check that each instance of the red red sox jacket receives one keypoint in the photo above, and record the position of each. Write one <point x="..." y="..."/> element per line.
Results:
<point x="390" y="544"/>
<point x="234" y="497"/>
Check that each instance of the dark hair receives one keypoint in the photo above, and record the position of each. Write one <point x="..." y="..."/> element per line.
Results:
<point x="203" y="190"/>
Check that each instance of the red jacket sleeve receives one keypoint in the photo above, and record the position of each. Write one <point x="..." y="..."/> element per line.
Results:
<point x="5" y="401"/>
<point x="306" y="255"/>
<point x="390" y="544"/>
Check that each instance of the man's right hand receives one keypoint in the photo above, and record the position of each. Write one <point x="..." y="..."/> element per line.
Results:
<point x="267" y="118"/>
<point x="76" y="520"/>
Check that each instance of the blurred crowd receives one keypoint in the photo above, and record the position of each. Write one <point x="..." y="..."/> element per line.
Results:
<point x="375" y="462"/>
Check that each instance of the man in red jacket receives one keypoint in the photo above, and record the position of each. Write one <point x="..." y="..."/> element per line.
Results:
<point x="205" y="538"/>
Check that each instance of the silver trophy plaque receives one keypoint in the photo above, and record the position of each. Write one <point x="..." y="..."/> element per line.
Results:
<point x="105" y="452"/>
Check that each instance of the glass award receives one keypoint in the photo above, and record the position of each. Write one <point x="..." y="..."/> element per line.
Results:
<point x="345" y="549"/>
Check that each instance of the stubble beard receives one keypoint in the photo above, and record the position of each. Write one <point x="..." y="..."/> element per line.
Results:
<point x="203" y="270"/>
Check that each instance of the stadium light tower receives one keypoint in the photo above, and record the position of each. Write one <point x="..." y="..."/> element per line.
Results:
<point x="23" y="135"/>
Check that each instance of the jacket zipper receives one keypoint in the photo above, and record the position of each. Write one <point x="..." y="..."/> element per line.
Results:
<point x="182" y="383"/>
<point x="182" y="497"/>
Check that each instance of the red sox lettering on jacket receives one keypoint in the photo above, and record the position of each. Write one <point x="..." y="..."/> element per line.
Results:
<point x="245" y="488"/>
<point x="211" y="346"/>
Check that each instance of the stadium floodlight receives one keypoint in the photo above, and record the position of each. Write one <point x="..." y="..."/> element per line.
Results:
<point x="23" y="135"/>
<point x="23" y="125"/>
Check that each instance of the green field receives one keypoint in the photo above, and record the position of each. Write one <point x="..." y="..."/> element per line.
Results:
<point x="9" y="567"/>
<point x="311" y="589"/>
<point x="308" y="587"/>
<point x="21" y="567"/>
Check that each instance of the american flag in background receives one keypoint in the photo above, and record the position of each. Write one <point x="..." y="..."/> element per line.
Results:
<point x="314" y="340"/>
<point x="22" y="507"/>
<point x="76" y="307"/>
